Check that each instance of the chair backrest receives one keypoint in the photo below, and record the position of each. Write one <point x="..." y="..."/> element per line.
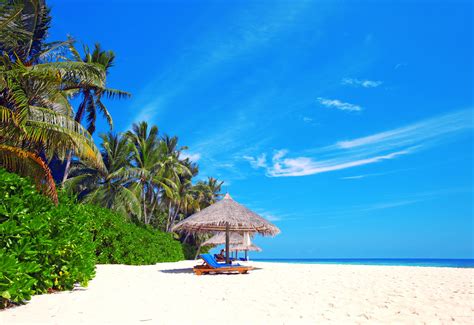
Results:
<point x="209" y="259"/>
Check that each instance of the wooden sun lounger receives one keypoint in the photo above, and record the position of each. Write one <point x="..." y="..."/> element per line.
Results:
<point x="211" y="266"/>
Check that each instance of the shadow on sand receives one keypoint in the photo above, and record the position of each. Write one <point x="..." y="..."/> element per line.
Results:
<point x="178" y="271"/>
<point x="190" y="271"/>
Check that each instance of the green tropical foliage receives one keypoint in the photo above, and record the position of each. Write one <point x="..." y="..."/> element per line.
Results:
<point x="119" y="241"/>
<point x="145" y="178"/>
<point x="43" y="247"/>
<point x="35" y="114"/>
<point x="92" y="92"/>
<point x="130" y="192"/>
<point x="46" y="247"/>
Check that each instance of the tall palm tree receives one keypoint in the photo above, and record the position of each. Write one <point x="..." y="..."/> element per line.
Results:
<point x="208" y="192"/>
<point x="182" y="201"/>
<point x="109" y="187"/>
<point x="35" y="121"/>
<point x="146" y="167"/>
<point x="157" y="169"/>
<point x="92" y="92"/>
<point x="23" y="27"/>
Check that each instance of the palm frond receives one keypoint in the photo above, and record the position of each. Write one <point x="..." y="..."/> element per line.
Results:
<point x="74" y="52"/>
<point x="71" y="70"/>
<point x="8" y="17"/>
<point x="31" y="165"/>
<point x="130" y="202"/>
<point x="105" y="112"/>
<point x="55" y="49"/>
<point x="116" y="93"/>
<point x="44" y="125"/>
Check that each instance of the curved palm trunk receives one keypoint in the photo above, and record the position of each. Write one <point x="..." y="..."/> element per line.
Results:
<point x="172" y="214"/>
<point x="198" y="251"/>
<point x="145" y="217"/>
<point x="77" y="118"/>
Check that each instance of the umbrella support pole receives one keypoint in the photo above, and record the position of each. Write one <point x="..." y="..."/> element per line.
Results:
<point x="227" y="239"/>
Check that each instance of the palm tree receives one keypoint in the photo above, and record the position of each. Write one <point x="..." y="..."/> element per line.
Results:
<point x="146" y="171"/>
<point x="208" y="192"/>
<point x="109" y="188"/>
<point x="35" y="121"/>
<point x="182" y="201"/>
<point x="157" y="168"/>
<point x="23" y="28"/>
<point x="92" y="92"/>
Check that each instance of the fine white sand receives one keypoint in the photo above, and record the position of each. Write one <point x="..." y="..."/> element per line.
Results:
<point x="277" y="293"/>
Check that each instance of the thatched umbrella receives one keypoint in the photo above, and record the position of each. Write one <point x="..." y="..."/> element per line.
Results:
<point x="219" y="239"/>
<point x="229" y="216"/>
<point x="245" y="248"/>
<point x="241" y="247"/>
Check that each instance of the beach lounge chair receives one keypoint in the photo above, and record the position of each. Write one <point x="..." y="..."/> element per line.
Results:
<point x="211" y="266"/>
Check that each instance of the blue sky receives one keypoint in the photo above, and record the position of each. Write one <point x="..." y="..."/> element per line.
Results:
<point x="347" y="123"/>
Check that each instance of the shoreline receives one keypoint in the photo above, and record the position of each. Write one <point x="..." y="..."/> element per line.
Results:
<point x="276" y="293"/>
<point x="436" y="263"/>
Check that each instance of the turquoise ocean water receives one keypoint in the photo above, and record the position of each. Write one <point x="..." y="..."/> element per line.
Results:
<point x="463" y="263"/>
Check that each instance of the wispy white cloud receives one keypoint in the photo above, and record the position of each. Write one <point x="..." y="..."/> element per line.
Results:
<point x="400" y="65"/>
<point x="378" y="174"/>
<point x="303" y="166"/>
<point x="338" y="104"/>
<point x="278" y="216"/>
<point x="257" y="162"/>
<point x="430" y="129"/>
<point x="403" y="200"/>
<point x="392" y="204"/>
<point x="194" y="157"/>
<point x="356" y="176"/>
<point x="409" y="199"/>
<point x="247" y="32"/>
<point x="371" y="149"/>
<point x="361" y="83"/>
<point x="147" y="112"/>
<point x="271" y="217"/>
<point x="307" y="119"/>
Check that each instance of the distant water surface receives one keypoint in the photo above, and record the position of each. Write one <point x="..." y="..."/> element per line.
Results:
<point x="463" y="263"/>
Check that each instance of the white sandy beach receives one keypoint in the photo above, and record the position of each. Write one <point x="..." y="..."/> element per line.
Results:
<point x="278" y="293"/>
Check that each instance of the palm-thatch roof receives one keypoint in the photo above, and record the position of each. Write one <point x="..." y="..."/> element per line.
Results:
<point x="242" y="247"/>
<point x="219" y="239"/>
<point x="227" y="213"/>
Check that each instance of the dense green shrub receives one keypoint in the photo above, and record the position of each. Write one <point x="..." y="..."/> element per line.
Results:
<point x="42" y="246"/>
<point x="190" y="251"/>
<point x="45" y="247"/>
<point x="119" y="241"/>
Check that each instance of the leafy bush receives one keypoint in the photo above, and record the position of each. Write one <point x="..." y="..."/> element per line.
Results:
<point x="190" y="250"/>
<point x="42" y="247"/>
<point x="45" y="247"/>
<point x="119" y="241"/>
